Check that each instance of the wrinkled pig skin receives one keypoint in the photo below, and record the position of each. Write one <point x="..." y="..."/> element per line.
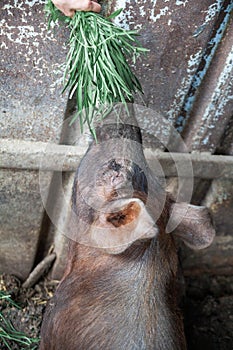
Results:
<point x="119" y="299"/>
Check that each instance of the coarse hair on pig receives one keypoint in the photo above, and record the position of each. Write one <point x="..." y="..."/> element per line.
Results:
<point x="120" y="290"/>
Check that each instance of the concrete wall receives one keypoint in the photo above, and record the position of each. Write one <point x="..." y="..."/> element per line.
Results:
<point x="32" y="107"/>
<point x="186" y="79"/>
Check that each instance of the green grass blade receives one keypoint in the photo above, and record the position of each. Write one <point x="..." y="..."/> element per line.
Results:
<point x="97" y="69"/>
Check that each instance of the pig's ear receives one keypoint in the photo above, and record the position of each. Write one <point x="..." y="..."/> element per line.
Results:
<point x="195" y="227"/>
<point x="121" y="223"/>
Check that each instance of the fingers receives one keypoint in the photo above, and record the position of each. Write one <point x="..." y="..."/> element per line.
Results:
<point x="66" y="10"/>
<point x="68" y="7"/>
<point x="94" y="6"/>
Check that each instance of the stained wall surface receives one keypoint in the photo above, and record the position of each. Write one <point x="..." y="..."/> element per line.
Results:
<point x="32" y="107"/>
<point x="186" y="77"/>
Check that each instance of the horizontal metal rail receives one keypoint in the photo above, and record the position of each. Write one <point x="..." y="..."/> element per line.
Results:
<point x="18" y="154"/>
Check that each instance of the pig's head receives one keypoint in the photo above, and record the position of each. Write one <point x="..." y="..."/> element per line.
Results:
<point x="117" y="201"/>
<point x="123" y="222"/>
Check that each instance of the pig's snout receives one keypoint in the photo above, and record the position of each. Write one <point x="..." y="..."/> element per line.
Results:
<point x="121" y="178"/>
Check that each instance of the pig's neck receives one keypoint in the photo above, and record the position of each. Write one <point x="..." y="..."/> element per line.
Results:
<point x="138" y="287"/>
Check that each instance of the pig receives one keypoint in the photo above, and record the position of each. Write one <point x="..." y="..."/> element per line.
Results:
<point x="119" y="289"/>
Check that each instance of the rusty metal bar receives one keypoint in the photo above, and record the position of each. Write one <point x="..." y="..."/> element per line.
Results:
<point x="18" y="154"/>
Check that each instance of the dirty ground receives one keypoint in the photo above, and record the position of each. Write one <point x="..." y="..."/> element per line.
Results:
<point x="208" y="310"/>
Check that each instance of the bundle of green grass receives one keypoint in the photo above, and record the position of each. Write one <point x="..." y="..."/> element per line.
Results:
<point x="9" y="336"/>
<point x="97" y="71"/>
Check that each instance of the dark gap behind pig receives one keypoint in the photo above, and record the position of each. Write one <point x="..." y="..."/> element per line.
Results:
<point x="119" y="290"/>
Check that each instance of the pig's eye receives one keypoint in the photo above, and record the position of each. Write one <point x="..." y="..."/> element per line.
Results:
<point x="125" y="216"/>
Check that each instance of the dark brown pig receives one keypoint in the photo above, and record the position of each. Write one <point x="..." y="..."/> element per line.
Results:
<point x="119" y="291"/>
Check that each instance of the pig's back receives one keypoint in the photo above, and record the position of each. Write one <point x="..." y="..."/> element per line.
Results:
<point x="113" y="307"/>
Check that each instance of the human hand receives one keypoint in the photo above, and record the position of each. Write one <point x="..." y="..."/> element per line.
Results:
<point x="68" y="7"/>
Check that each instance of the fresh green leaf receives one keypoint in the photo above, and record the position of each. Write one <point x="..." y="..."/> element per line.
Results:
<point x="115" y="13"/>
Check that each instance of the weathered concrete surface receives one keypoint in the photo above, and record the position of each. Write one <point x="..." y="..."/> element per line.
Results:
<point x="176" y="32"/>
<point x="31" y="102"/>
<point x="31" y="108"/>
<point x="21" y="211"/>
<point x="212" y="108"/>
<point x="206" y="123"/>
